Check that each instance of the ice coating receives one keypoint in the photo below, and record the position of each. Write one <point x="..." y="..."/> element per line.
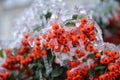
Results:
<point x="30" y="17"/>
<point x="48" y="67"/>
<point x="60" y="16"/>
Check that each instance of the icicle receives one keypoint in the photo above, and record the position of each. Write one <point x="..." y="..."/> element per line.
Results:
<point x="89" y="62"/>
<point x="82" y="47"/>
<point x="31" y="41"/>
<point x="78" y="67"/>
<point x="98" y="32"/>
<point x="50" y="68"/>
<point x="47" y="66"/>
<point x="59" y="58"/>
<point x="40" y="76"/>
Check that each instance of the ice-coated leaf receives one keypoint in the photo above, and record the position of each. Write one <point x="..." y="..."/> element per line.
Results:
<point x="1" y="53"/>
<point x="70" y="24"/>
<point x="37" y="28"/>
<point x="74" y="16"/>
<point x="50" y="57"/>
<point x="13" y="75"/>
<point x="57" y="72"/>
<point x="100" y="67"/>
<point x="48" y="15"/>
<point x="91" y="72"/>
<point x="91" y="56"/>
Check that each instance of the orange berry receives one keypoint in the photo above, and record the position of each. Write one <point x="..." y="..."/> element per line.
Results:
<point x="26" y="35"/>
<point x="7" y="50"/>
<point x="98" y="54"/>
<point x="95" y="51"/>
<point x="112" y="68"/>
<point x="92" y="38"/>
<point x="84" y="20"/>
<point x="25" y="42"/>
<point x="101" y="77"/>
<point x="45" y="45"/>
<point x="57" y="48"/>
<point x="37" y="42"/>
<point x="91" y="33"/>
<point x="77" y="51"/>
<point x="114" y="52"/>
<point x="55" y="26"/>
<point x="7" y="73"/>
<point x="106" y="52"/>
<point x="81" y="25"/>
<point x="92" y="65"/>
<point x="90" y="47"/>
<point x="44" y="52"/>
<point x="38" y="38"/>
<point x="106" y="60"/>
<point x="44" y="36"/>
<point x="106" y="76"/>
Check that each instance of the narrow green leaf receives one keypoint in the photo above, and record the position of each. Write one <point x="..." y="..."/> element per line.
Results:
<point x="30" y="78"/>
<point x="22" y="73"/>
<point x="13" y="75"/>
<point x="48" y="15"/>
<point x="74" y="16"/>
<point x="50" y="57"/>
<point x="1" y="53"/>
<point x="70" y="24"/>
<point x="107" y="11"/>
<point x="39" y="65"/>
<point x="32" y="65"/>
<point x="57" y="72"/>
<point x="100" y="67"/>
<point x="85" y="60"/>
<point x="91" y="56"/>
<point x="96" y="30"/>
<point x="91" y="72"/>
<point x="37" y="74"/>
<point x="35" y="65"/>
<point x="36" y="28"/>
<point x="41" y="16"/>
<point x="44" y="73"/>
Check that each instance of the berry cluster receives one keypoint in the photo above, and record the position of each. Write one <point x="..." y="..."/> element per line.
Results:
<point x="77" y="43"/>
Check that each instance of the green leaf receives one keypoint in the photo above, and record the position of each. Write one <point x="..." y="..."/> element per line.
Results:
<point x="102" y="71"/>
<point x="74" y="17"/>
<point x="85" y="60"/>
<point x="96" y="30"/>
<point x="107" y="11"/>
<point x="32" y="66"/>
<point x="35" y="65"/>
<point x="100" y="67"/>
<point x="57" y="72"/>
<point x="41" y="16"/>
<point x="48" y="15"/>
<point x="22" y="73"/>
<point x="44" y="73"/>
<point x="37" y="28"/>
<point x="39" y="65"/>
<point x="13" y="75"/>
<point x="70" y="24"/>
<point x="91" y="56"/>
<point x="91" y="72"/>
<point x="1" y="53"/>
<point x="37" y="73"/>
<point x="30" y="78"/>
<point x="50" y="57"/>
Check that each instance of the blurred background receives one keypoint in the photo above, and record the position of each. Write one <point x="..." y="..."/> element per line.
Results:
<point x="105" y="12"/>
